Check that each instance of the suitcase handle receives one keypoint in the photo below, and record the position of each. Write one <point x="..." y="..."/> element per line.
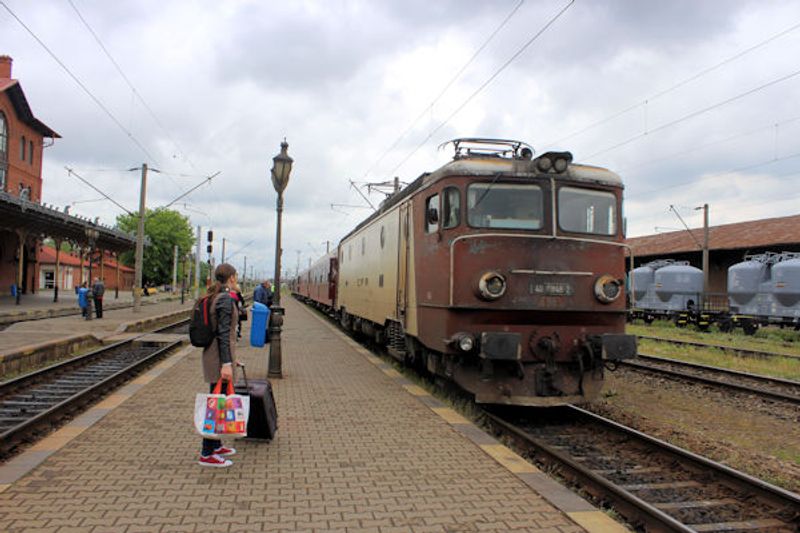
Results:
<point x="244" y="373"/>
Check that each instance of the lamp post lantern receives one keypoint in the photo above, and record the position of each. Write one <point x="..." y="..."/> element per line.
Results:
<point x="281" y="168"/>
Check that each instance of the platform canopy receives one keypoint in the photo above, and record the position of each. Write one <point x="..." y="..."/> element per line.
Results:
<point x="17" y="214"/>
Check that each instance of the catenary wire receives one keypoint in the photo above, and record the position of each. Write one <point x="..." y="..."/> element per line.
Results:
<point x="484" y="84"/>
<point x="133" y="89"/>
<point x="445" y="88"/>
<point x="677" y="85"/>
<point x="703" y="146"/>
<point x="96" y="100"/>
<point x="84" y="180"/>
<point x="694" y="114"/>
<point x="719" y="174"/>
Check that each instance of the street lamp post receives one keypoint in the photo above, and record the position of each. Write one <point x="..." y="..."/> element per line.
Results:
<point x="281" y="168"/>
<point x="91" y="235"/>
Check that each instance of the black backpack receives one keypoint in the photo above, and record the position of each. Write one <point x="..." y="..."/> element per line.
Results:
<point x="201" y="328"/>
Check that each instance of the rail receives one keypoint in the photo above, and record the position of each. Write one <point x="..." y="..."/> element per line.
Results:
<point x="652" y="483"/>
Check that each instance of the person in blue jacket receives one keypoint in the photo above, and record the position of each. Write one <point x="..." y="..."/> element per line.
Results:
<point x="263" y="294"/>
<point x="83" y="300"/>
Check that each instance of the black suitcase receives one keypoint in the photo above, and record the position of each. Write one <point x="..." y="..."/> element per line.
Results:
<point x="263" y="420"/>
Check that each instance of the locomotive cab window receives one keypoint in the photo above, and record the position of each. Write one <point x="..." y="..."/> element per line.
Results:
<point x="504" y="205"/>
<point x="587" y="211"/>
<point x="451" y="208"/>
<point x="432" y="214"/>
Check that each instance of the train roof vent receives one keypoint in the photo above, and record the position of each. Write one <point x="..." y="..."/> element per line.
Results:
<point x="467" y="147"/>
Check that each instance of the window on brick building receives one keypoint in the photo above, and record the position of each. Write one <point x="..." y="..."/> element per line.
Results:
<point x="22" y="145"/>
<point x="30" y="152"/>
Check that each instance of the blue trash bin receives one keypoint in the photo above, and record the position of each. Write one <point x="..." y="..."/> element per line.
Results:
<point x="258" y="329"/>
<point x="14" y="290"/>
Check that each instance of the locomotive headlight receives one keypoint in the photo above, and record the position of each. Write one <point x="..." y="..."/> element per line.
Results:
<point x="607" y="288"/>
<point x="466" y="343"/>
<point x="491" y="286"/>
<point x="560" y="164"/>
<point x="544" y="164"/>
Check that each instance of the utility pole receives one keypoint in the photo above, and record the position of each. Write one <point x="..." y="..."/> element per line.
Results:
<point x="244" y="273"/>
<point x="222" y="260"/>
<point x="174" y="268"/>
<point x="706" y="265"/>
<point x="197" y="267"/>
<point x="137" y="289"/>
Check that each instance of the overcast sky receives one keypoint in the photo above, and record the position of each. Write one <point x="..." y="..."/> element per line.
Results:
<point x="689" y="101"/>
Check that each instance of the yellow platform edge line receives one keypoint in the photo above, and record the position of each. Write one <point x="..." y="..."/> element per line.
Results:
<point x="513" y="462"/>
<point x="450" y="416"/>
<point x="416" y="390"/>
<point x="597" y="522"/>
<point x="111" y="401"/>
<point x="392" y="373"/>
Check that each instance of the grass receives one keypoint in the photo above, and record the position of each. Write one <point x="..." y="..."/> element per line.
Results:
<point x="769" y="339"/>
<point x="780" y="367"/>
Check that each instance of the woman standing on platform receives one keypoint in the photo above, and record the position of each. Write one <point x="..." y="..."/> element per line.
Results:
<point x="218" y="358"/>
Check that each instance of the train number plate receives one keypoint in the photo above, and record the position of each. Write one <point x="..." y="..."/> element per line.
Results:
<point x="551" y="288"/>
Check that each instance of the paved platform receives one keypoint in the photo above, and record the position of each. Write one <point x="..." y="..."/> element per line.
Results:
<point x="28" y="334"/>
<point x="359" y="448"/>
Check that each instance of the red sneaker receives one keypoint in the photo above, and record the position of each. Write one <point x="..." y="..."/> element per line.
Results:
<point x="222" y="451"/>
<point x="214" y="461"/>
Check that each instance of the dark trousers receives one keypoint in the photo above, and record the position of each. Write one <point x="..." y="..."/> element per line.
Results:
<point x="98" y="307"/>
<point x="209" y="445"/>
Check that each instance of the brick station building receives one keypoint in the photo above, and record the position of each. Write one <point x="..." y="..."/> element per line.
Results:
<point x="24" y="221"/>
<point x="728" y="245"/>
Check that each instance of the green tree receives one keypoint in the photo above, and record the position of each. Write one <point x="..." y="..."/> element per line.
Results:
<point x="164" y="228"/>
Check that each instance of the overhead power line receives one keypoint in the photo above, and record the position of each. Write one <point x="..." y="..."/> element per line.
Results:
<point x="96" y="100"/>
<point x="446" y="87"/>
<point x="719" y="174"/>
<point x="107" y="197"/>
<point x="491" y="78"/>
<point x="696" y="148"/>
<point x="128" y="81"/>
<point x="694" y="114"/>
<point x="677" y="85"/>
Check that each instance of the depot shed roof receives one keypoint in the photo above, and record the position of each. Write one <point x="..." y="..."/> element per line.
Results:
<point x="766" y="233"/>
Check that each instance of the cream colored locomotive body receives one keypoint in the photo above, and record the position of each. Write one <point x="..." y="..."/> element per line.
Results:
<point x="376" y="270"/>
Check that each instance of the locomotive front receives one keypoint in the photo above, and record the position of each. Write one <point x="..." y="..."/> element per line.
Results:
<point x="524" y="265"/>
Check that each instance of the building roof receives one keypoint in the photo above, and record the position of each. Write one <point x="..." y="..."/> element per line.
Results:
<point x="765" y="233"/>
<point x="14" y="90"/>
<point x="47" y="255"/>
<point x="20" y="214"/>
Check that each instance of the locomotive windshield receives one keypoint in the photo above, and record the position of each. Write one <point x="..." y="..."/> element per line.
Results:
<point x="504" y="205"/>
<point x="587" y="211"/>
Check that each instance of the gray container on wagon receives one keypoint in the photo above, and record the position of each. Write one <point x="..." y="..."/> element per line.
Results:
<point x="667" y="286"/>
<point x="766" y="285"/>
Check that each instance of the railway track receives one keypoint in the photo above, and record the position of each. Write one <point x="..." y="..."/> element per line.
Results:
<point x="181" y="327"/>
<point x="33" y="403"/>
<point x="765" y="386"/>
<point x="655" y="485"/>
<point x="744" y="352"/>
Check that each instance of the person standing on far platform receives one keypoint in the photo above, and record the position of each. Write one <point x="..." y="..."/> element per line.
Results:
<point x="263" y="294"/>
<point x="218" y="358"/>
<point x="98" y="290"/>
<point x="83" y="300"/>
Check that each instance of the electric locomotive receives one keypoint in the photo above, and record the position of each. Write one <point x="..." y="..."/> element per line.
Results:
<point x="499" y="271"/>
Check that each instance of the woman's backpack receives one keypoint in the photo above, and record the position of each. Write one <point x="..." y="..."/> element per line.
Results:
<point x="201" y="327"/>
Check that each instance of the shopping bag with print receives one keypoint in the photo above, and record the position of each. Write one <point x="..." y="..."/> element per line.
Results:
<point x="219" y="415"/>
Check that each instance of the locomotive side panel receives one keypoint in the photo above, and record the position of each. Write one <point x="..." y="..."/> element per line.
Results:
<point x="368" y="267"/>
